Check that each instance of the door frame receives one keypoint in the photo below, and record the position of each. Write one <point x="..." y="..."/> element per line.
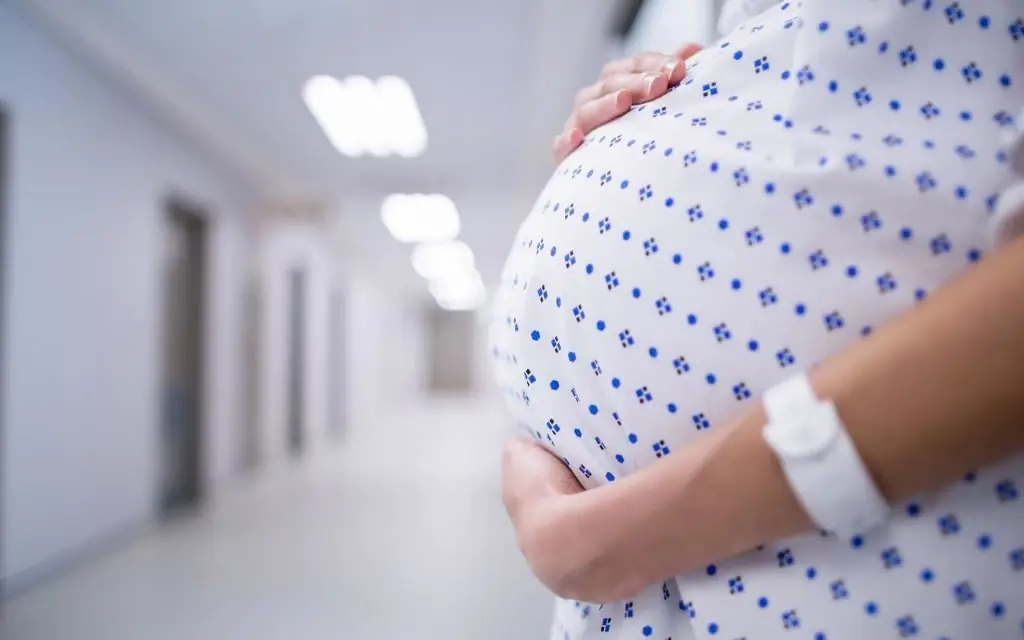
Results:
<point x="5" y="167"/>
<point x="336" y="381"/>
<point x="298" y="295"/>
<point x="250" y="445"/>
<point x="176" y="207"/>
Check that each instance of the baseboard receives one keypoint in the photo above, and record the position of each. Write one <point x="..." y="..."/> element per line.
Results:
<point x="21" y="582"/>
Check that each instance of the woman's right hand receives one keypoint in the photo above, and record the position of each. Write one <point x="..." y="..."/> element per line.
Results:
<point x="623" y="83"/>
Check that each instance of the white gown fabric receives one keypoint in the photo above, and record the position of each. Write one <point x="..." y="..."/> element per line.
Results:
<point x="824" y="167"/>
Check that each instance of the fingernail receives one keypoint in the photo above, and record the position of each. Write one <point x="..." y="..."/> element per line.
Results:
<point x="649" y="82"/>
<point x="623" y="99"/>
<point x="670" y="67"/>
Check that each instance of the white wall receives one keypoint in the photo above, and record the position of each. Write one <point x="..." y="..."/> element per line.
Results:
<point x="385" y="353"/>
<point x="81" y="412"/>
<point x="490" y="219"/>
<point x="381" y="341"/>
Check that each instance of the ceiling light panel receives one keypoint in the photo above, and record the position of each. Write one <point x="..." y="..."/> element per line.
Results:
<point x="363" y="117"/>
<point x="437" y="260"/>
<point x="464" y="291"/>
<point x="419" y="217"/>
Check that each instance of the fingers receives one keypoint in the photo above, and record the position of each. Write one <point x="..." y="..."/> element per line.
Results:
<point x="565" y="142"/>
<point x="513" y="447"/>
<point x="648" y="62"/>
<point x="590" y="116"/>
<point x="645" y="76"/>
<point x="687" y="50"/>
<point x="641" y="87"/>
<point x="623" y="83"/>
<point x="631" y="73"/>
<point x="528" y="463"/>
<point x="530" y="472"/>
<point x="597" y="112"/>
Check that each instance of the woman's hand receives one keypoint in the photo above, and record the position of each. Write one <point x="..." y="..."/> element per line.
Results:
<point x="531" y="474"/>
<point x="622" y="84"/>
<point x="536" y="488"/>
<point x="563" y="532"/>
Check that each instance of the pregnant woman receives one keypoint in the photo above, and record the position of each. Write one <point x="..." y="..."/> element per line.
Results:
<point x="773" y="322"/>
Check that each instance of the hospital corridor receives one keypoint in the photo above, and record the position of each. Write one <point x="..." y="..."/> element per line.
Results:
<point x="389" y="537"/>
<point x="511" y="320"/>
<point x="247" y="255"/>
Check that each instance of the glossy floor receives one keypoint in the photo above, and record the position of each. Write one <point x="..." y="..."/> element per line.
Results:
<point x="397" y="534"/>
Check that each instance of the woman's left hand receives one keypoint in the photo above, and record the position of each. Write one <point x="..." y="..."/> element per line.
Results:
<point x="563" y="532"/>
<point x="536" y="488"/>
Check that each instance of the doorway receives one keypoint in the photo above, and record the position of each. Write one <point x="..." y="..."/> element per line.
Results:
<point x="297" y="361"/>
<point x="183" y="292"/>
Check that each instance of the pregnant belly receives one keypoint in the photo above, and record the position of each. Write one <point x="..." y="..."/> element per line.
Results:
<point x="669" y="274"/>
<point x="718" y="240"/>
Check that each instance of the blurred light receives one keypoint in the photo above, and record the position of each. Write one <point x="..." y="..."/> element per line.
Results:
<point x="360" y="116"/>
<point x="463" y="291"/>
<point x="404" y="132"/>
<point x="420" y="218"/>
<point x="436" y="260"/>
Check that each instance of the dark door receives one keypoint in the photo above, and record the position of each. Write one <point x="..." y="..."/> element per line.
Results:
<point x="253" y="327"/>
<point x="4" y="170"/>
<point x="450" y="343"/>
<point x="297" y="361"/>
<point x="181" y="379"/>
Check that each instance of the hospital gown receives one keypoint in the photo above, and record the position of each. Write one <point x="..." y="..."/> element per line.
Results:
<point x="824" y="167"/>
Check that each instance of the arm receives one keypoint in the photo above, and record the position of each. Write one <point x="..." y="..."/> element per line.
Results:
<point x="928" y="397"/>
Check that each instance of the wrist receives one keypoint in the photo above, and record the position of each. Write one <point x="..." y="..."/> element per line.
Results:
<point x="578" y="545"/>
<point x="722" y="495"/>
<point x="627" y="531"/>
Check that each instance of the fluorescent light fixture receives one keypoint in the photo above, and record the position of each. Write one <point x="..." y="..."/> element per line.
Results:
<point x="463" y="291"/>
<point x="361" y="117"/>
<point x="438" y="260"/>
<point x="420" y="217"/>
<point x="403" y="132"/>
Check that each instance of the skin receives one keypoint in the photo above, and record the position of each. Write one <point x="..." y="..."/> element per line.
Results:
<point x="622" y="84"/>
<point x="918" y="421"/>
<point x="918" y="424"/>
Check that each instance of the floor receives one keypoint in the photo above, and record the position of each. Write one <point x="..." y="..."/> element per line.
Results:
<point x="395" y="534"/>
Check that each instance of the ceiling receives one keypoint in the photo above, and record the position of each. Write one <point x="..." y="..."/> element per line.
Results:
<point x="494" y="81"/>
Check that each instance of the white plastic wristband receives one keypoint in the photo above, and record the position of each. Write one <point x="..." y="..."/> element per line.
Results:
<point x="1008" y="221"/>
<point x="820" y="461"/>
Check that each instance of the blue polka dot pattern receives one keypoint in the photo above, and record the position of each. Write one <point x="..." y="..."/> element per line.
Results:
<point x="823" y="168"/>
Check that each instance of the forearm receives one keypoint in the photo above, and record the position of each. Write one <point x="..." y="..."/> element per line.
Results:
<point x="931" y="395"/>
